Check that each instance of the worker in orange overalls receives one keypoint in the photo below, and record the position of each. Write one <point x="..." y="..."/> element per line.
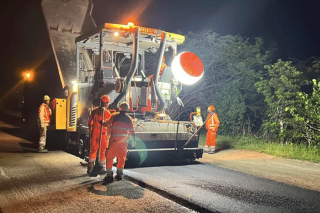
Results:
<point x="212" y="125"/>
<point x="44" y="113"/>
<point x="122" y="127"/>
<point x="97" y="119"/>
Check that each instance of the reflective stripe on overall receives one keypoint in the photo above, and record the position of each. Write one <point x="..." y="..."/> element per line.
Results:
<point x="122" y="126"/>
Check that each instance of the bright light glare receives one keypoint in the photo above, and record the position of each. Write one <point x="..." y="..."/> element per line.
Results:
<point x="28" y="75"/>
<point x="130" y="24"/>
<point x="75" y="87"/>
<point x="180" y="74"/>
<point x="116" y="34"/>
<point x="162" y="114"/>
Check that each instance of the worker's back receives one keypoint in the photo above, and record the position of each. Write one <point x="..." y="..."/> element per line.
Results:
<point x="122" y="125"/>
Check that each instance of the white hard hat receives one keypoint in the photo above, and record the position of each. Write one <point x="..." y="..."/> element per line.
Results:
<point x="46" y="98"/>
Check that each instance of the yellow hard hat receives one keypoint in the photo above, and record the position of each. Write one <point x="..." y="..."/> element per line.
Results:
<point x="46" y="98"/>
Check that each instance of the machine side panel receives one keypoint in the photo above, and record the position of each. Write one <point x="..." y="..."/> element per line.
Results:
<point x="61" y="114"/>
<point x="72" y="110"/>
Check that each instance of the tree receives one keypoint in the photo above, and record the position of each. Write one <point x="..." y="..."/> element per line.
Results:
<point x="307" y="111"/>
<point x="231" y="67"/>
<point x="280" y="87"/>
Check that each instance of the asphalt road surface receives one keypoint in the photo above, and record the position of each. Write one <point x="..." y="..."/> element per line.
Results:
<point x="221" y="190"/>
<point x="56" y="182"/>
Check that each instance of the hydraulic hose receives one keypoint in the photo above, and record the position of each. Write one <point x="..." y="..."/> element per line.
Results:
<point x="133" y="68"/>
<point x="156" y="76"/>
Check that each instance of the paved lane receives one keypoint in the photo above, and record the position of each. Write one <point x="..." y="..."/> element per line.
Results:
<point x="56" y="182"/>
<point x="223" y="190"/>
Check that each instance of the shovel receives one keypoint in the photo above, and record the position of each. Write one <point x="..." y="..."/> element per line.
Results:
<point x="97" y="167"/>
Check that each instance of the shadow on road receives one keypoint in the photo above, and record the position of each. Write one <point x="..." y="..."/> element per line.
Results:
<point x="25" y="130"/>
<point x="118" y="188"/>
<point x="10" y="119"/>
<point x="224" y="145"/>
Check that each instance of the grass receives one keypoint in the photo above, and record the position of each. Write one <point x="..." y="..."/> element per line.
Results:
<point x="293" y="151"/>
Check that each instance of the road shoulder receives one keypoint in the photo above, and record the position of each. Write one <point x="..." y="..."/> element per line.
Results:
<point x="294" y="172"/>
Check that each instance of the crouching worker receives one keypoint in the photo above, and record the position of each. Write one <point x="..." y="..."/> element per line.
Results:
<point x="99" y="116"/>
<point x="122" y="127"/>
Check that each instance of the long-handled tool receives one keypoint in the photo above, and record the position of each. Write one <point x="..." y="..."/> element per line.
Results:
<point x="97" y="167"/>
<point x="180" y="103"/>
<point x="195" y="133"/>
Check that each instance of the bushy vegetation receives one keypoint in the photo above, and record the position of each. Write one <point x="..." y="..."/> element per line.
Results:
<point x="255" y="96"/>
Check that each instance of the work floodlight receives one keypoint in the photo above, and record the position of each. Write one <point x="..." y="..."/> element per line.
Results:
<point x="187" y="68"/>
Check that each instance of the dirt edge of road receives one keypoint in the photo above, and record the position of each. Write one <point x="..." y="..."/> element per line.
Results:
<point x="289" y="171"/>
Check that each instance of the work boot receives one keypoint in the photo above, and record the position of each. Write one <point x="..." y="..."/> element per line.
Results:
<point x="213" y="151"/>
<point x="119" y="173"/>
<point x="42" y="149"/>
<point x="90" y="167"/>
<point x="206" y="149"/>
<point x="109" y="177"/>
<point x="103" y="170"/>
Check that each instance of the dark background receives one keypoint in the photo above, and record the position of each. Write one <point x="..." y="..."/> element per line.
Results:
<point x="290" y="24"/>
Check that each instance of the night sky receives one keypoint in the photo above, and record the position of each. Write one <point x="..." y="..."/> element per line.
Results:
<point x="293" y="25"/>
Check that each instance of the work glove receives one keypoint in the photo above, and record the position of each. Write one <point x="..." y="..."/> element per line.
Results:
<point x="131" y="141"/>
<point x="133" y="138"/>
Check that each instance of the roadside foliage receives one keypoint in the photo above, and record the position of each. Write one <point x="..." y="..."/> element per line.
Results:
<point x="277" y="101"/>
<point x="232" y="66"/>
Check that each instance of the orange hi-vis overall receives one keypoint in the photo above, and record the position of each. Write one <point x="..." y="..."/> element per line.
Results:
<point x="212" y="125"/>
<point x="122" y="126"/>
<point x="95" y="128"/>
<point x="44" y="113"/>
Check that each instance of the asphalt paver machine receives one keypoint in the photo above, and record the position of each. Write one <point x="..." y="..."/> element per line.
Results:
<point x="127" y="63"/>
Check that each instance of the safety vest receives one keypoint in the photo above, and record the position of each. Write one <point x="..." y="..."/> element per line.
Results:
<point x="96" y="117"/>
<point x="213" y="122"/>
<point x="122" y="126"/>
<point x="44" y="113"/>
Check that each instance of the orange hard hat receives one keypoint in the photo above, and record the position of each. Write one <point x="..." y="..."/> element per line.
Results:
<point x="105" y="99"/>
<point x="211" y="107"/>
